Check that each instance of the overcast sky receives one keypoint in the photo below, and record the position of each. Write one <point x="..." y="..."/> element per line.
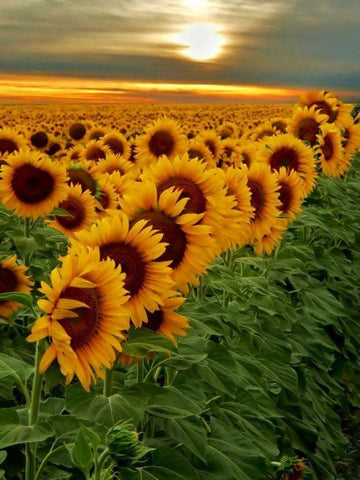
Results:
<point x="273" y="43"/>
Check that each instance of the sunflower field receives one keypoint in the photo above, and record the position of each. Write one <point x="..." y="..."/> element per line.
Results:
<point x="179" y="291"/>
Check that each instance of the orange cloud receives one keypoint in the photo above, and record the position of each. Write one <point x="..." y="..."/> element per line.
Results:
<point x="42" y="89"/>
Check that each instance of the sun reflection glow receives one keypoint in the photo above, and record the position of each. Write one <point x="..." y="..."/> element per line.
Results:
<point x="201" y="41"/>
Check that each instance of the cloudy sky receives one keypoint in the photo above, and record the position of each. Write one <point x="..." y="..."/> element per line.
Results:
<point x="133" y="50"/>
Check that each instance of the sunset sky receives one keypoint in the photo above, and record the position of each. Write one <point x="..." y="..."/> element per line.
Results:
<point x="177" y="50"/>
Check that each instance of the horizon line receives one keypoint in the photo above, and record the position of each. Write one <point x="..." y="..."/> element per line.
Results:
<point x="40" y="89"/>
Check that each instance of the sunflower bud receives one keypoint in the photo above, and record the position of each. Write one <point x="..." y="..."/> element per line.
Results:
<point x="124" y="445"/>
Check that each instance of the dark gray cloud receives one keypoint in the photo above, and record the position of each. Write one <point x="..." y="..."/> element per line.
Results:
<point x="288" y="42"/>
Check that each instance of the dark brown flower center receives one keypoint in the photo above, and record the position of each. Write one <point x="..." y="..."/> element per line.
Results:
<point x="328" y="148"/>
<point x="96" y="134"/>
<point x="77" y="131"/>
<point x="172" y="234"/>
<point x="265" y="133"/>
<point x="193" y="153"/>
<point x="31" y="184"/>
<point x="39" y="139"/>
<point x="155" y="320"/>
<point x="8" y="280"/>
<point x="246" y="159"/>
<point x="325" y="108"/>
<point x="161" y="143"/>
<point x="131" y="262"/>
<point x="211" y="146"/>
<point x="104" y="199"/>
<point x="78" y="176"/>
<point x="76" y="209"/>
<point x="133" y="151"/>
<point x="279" y="125"/>
<point x="115" y="145"/>
<point x="257" y="197"/>
<point x="94" y="153"/>
<point x="284" y="157"/>
<point x="197" y="200"/>
<point x="54" y="148"/>
<point x="285" y="197"/>
<point x="307" y="130"/>
<point x="7" y="145"/>
<point x="82" y="329"/>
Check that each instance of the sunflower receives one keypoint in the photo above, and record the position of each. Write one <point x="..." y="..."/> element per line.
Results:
<point x="77" y="131"/>
<point x="121" y="183"/>
<point x="114" y="163"/>
<point x="247" y="152"/>
<point x="231" y="154"/>
<point x="55" y="147"/>
<point x="197" y="149"/>
<point x="270" y="240"/>
<point x="95" y="151"/>
<point x="108" y="197"/>
<point x="84" y="173"/>
<point x="12" y="279"/>
<point x="212" y="142"/>
<point x="228" y="130"/>
<point x="85" y="316"/>
<point x="190" y="249"/>
<point x="235" y="180"/>
<point x="10" y="141"/>
<point x="166" y="321"/>
<point x="351" y="140"/>
<point x="332" y="159"/>
<point x="290" y="192"/>
<point x="280" y="124"/>
<point x="323" y="102"/>
<point x="32" y="184"/>
<point x="94" y="133"/>
<point x="162" y="138"/>
<point x="263" y="131"/>
<point x="39" y="140"/>
<point x="137" y="249"/>
<point x="117" y="143"/>
<point x="205" y="190"/>
<point x="264" y="200"/>
<point x="305" y="124"/>
<point x="81" y="205"/>
<point x="327" y="103"/>
<point x="287" y="151"/>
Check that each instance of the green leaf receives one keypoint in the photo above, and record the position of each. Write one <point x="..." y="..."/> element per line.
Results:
<point x="81" y="453"/>
<point x="142" y="341"/>
<point x="14" y="370"/>
<point x="190" y="432"/>
<point x="19" y="297"/>
<point x="91" y="435"/>
<point x="13" y="433"/>
<point x="3" y="455"/>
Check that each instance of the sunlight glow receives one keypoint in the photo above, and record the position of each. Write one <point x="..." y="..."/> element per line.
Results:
<point x="201" y="41"/>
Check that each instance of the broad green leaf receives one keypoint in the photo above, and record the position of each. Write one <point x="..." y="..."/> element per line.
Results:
<point x="14" y="370"/>
<point x="14" y="434"/>
<point x="143" y="341"/>
<point x="81" y="453"/>
<point x="190" y="432"/>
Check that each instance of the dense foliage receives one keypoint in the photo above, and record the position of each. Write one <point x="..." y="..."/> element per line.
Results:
<point x="275" y="374"/>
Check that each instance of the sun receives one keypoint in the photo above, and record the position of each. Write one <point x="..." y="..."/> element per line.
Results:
<point x="201" y="41"/>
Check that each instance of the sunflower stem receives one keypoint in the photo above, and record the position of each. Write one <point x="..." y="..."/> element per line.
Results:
<point x="108" y="381"/>
<point x="33" y="415"/>
<point x="140" y="371"/>
<point x="27" y="227"/>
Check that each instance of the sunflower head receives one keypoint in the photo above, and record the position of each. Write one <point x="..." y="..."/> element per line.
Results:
<point x="12" y="279"/>
<point x="85" y="315"/>
<point x="32" y="184"/>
